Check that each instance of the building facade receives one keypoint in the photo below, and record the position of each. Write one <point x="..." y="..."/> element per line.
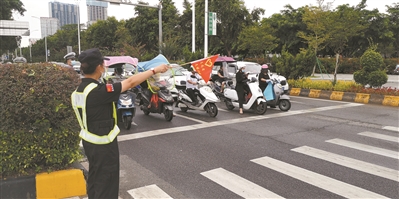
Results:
<point x="65" y="13"/>
<point x="96" y="10"/>
<point x="48" y="26"/>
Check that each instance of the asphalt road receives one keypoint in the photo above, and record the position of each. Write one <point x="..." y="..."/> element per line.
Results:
<point x="318" y="149"/>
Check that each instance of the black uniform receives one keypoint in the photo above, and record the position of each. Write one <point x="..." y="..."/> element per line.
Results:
<point x="241" y="87"/>
<point x="103" y="180"/>
<point x="262" y="84"/>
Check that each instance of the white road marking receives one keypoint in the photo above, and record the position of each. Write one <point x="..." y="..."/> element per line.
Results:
<point x="380" y="136"/>
<point x="148" y="192"/>
<point x="297" y="102"/>
<point x="324" y="182"/>
<point x="350" y="162"/>
<point x="238" y="185"/>
<point x="366" y="148"/>
<point x="318" y="99"/>
<point x="391" y="128"/>
<point x="230" y="121"/>
<point x="190" y="118"/>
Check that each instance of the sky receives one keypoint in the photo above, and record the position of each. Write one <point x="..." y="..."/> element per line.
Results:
<point x="39" y="8"/>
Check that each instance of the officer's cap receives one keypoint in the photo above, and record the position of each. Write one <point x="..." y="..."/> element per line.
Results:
<point x="70" y="55"/>
<point x="91" y="55"/>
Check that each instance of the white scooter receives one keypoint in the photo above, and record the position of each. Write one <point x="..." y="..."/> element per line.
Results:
<point x="276" y="95"/>
<point x="280" y="78"/>
<point x="256" y="101"/>
<point x="184" y="101"/>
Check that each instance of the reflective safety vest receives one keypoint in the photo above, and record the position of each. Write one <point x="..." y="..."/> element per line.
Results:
<point x="79" y="102"/>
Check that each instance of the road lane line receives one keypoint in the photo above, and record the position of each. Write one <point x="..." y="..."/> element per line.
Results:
<point x="380" y="136"/>
<point x="391" y="128"/>
<point x="190" y="118"/>
<point x="230" y="121"/>
<point x="150" y="191"/>
<point x="350" y="162"/>
<point x="238" y="185"/>
<point x="366" y="148"/>
<point x="318" y="99"/>
<point x="338" y="187"/>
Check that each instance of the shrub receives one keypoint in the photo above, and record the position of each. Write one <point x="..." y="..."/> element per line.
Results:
<point x="296" y="67"/>
<point x="372" y="72"/>
<point x="372" y="61"/>
<point x="377" y="78"/>
<point x="38" y="130"/>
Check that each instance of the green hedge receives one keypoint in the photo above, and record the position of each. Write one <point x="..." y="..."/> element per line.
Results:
<point x="38" y="129"/>
<point x="346" y="65"/>
<point x="341" y="85"/>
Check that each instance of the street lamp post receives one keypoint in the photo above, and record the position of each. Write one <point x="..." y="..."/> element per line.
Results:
<point x="126" y="2"/>
<point x="193" y="28"/>
<point x="78" y="3"/>
<point x="45" y="37"/>
<point x="206" y="30"/>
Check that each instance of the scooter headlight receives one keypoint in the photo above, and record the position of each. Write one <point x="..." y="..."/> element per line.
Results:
<point x="126" y="102"/>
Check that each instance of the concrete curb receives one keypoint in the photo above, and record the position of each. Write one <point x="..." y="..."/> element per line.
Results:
<point x="57" y="184"/>
<point x="386" y="100"/>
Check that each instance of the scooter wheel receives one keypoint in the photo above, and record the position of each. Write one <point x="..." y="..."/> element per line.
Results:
<point x="127" y="122"/>
<point x="261" y="108"/>
<point x="284" y="105"/>
<point x="212" y="109"/>
<point x="168" y="114"/>
<point x="229" y="105"/>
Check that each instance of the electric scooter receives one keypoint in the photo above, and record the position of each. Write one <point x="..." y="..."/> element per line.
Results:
<point x="254" y="100"/>
<point x="275" y="94"/>
<point x="126" y="108"/>
<point x="158" y="102"/>
<point x="209" y="104"/>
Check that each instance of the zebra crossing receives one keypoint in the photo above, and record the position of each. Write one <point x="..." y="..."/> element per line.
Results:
<point x="246" y="189"/>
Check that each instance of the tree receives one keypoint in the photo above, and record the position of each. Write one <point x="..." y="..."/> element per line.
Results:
<point x="257" y="39"/>
<point x="344" y="24"/>
<point x="287" y="25"/>
<point x="7" y="8"/>
<point x="184" y="27"/>
<point x="145" y="27"/>
<point x="376" y="29"/>
<point x="393" y="16"/>
<point x="102" y="34"/>
<point x="372" y="72"/>
<point x="314" y="18"/>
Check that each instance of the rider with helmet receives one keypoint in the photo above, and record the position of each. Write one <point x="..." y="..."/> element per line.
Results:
<point x="192" y="87"/>
<point x="263" y="77"/>
<point x="117" y="74"/>
<point x="242" y="86"/>
<point x="70" y="58"/>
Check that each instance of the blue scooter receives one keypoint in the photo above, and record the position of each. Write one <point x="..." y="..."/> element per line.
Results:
<point x="126" y="108"/>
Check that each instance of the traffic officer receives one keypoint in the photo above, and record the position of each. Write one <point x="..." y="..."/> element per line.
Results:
<point x="69" y="58"/>
<point x="93" y="103"/>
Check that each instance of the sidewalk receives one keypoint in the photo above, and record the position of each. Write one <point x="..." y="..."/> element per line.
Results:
<point x="393" y="80"/>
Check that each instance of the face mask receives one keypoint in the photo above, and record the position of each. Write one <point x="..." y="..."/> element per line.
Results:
<point x="193" y="76"/>
<point x="73" y="62"/>
<point x="243" y="70"/>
